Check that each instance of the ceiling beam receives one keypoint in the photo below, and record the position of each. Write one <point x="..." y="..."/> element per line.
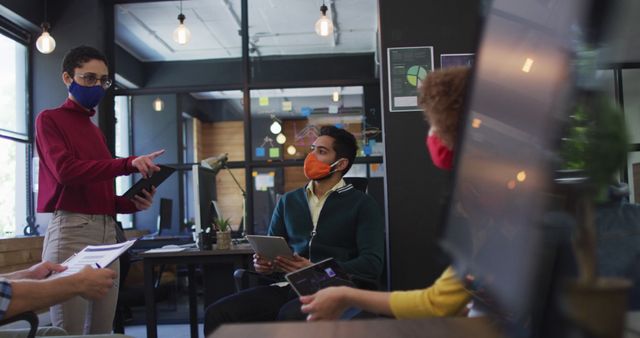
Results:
<point x="120" y="2"/>
<point x="335" y="37"/>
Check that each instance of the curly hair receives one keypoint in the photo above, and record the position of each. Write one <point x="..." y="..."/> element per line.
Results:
<point x="441" y="96"/>
<point x="78" y="56"/>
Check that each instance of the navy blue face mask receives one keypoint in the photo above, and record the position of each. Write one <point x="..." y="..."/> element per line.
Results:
<point x="88" y="97"/>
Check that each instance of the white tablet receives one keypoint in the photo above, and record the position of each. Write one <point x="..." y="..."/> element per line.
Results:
<point x="269" y="247"/>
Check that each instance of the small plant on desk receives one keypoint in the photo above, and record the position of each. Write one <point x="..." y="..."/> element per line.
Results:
<point x="221" y="224"/>
<point x="223" y="234"/>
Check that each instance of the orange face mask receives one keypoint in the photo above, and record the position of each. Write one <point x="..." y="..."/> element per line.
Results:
<point x="315" y="169"/>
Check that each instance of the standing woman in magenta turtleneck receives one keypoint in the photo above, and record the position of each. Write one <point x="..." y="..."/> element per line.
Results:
<point x="76" y="184"/>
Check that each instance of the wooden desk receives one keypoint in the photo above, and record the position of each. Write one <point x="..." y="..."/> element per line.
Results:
<point x="432" y="327"/>
<point x="238" y="257"/>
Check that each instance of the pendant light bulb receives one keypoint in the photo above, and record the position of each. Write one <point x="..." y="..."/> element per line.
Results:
<point x="181" y="35"/>
<point x="336" y="96"/>
<point x="291" y="150"/>
<point x="324" y="26"/>
<point x="158" y="104"/>
<point x="275" y="128"/>
<point x="45" y="43"/>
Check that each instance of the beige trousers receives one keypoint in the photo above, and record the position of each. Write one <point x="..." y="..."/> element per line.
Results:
<point x="67" y="234"/>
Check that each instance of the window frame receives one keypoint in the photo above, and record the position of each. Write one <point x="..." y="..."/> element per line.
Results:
<point x="24" y="37"/>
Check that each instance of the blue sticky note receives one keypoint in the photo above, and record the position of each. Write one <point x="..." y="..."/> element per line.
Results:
<point x="339" y="125"/>
<point x="367" y="150"/>
<point x="260" y="152"/>
<point x="306" y="111"/>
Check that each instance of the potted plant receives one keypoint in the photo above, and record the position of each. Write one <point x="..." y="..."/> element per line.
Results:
<point x="596" y="147"/>
<point x="223" y="233"/>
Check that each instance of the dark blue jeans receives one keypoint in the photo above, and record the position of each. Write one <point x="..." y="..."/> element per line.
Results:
<point x="258" y="304"/>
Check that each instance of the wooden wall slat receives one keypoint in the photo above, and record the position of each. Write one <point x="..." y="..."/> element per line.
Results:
<point x="221" y="137"/>
<point x="20" y="253"/>
<point x="214" y="139"/>
<point x="294" y="178"/>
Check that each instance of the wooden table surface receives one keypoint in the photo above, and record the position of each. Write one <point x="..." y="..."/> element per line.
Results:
<point x="431" y="327"/>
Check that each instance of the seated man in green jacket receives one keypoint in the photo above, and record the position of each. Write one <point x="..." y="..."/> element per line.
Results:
<point x="326" y="218"/>
<point x="441" y="96"/>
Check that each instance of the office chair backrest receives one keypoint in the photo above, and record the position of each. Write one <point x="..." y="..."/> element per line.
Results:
<point x="164" y="217"/>
<point x="359" y="183"/>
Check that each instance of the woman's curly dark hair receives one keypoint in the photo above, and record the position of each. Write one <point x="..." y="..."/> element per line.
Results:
<point x="441" y="96"/>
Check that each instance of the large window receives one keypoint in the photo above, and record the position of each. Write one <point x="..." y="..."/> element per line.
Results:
<point x="296" y="81"/>
<point x="14" y="137"/>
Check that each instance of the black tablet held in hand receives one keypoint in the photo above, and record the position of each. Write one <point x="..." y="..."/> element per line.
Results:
<point x="313" y="278"/>
<point x="146" y="183"/>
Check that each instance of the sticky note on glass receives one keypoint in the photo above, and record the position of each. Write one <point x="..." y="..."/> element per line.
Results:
<point x="260" y="152"/>
<point x="306" y="111"/>
<point x="333" y="109"/>
<point x="367" y="150"/>
<point x="274" y="152"/>
<point x="287" y="105"/>
<point x="263" y="101"/>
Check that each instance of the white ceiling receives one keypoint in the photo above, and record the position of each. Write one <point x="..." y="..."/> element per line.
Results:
<point x="276" y="27"/>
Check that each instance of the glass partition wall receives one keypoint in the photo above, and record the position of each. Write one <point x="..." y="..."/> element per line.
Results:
<point x="238" y="81"/>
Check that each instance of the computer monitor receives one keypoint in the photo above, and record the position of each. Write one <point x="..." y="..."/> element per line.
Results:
<point x="164" y="216"/>
<point x="204" y="193"/>
<point x="517" y="103"/>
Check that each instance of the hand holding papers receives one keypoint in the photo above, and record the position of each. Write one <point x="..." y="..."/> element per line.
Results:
<point x="97" y="256"/>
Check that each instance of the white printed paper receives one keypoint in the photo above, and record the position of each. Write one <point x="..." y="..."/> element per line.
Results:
<point x="97" y="256"/>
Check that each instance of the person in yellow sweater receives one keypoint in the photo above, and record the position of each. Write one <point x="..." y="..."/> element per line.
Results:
<point x="441" y="97"/>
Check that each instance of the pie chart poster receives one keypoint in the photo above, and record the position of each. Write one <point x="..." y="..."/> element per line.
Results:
<point x="407" y="67"/>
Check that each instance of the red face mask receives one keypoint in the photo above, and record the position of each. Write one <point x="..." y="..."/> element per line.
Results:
<point x="441" y="155"/>
<point x="315" y="169"/>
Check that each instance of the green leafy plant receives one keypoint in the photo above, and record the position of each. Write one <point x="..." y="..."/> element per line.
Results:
<point x="596" y="145"/>
<point x="221" y="224"/>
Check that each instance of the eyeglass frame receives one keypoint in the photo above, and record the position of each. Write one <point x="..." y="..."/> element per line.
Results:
<point x="105" y="81"/>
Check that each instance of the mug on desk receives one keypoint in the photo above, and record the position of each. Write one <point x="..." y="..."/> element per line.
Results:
<point x="205" y="241"/>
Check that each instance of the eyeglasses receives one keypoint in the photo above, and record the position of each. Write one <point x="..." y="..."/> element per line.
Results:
<point x="90" y="79"/>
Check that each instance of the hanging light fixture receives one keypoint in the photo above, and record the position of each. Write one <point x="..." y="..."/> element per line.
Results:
<point x="291" y="150"/>
<point x="336" y="96"/>
<point x="324" y="26"/>
<point x="181" y="35"/>
<point x="276" y="126"/>
<point x="158" y="104"/>
<point x="45" y="43"/>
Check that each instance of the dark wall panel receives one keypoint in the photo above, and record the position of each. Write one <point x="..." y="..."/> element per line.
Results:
<point x="152" y="131"/>
<point x="193" y="73"/>
<point x="320" y="68"/>
<point x="273" y="71"/>
<point x="414" y="186"/>
<point x="129" y="67"/>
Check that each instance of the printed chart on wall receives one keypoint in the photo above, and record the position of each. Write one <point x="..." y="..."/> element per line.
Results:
<point x="407" y="66"/>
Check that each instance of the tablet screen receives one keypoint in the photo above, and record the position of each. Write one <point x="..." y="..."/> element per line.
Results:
<point x="269" y="247"/>
<point x="318" y="276"/>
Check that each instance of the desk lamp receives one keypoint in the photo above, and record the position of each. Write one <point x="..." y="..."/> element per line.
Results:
<point x="216" y="163"/>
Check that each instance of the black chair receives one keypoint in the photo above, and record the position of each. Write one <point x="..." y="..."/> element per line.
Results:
<point x="244" y="278"/>
<point x="30" y="317"/>
<point x="359" y="183"/>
